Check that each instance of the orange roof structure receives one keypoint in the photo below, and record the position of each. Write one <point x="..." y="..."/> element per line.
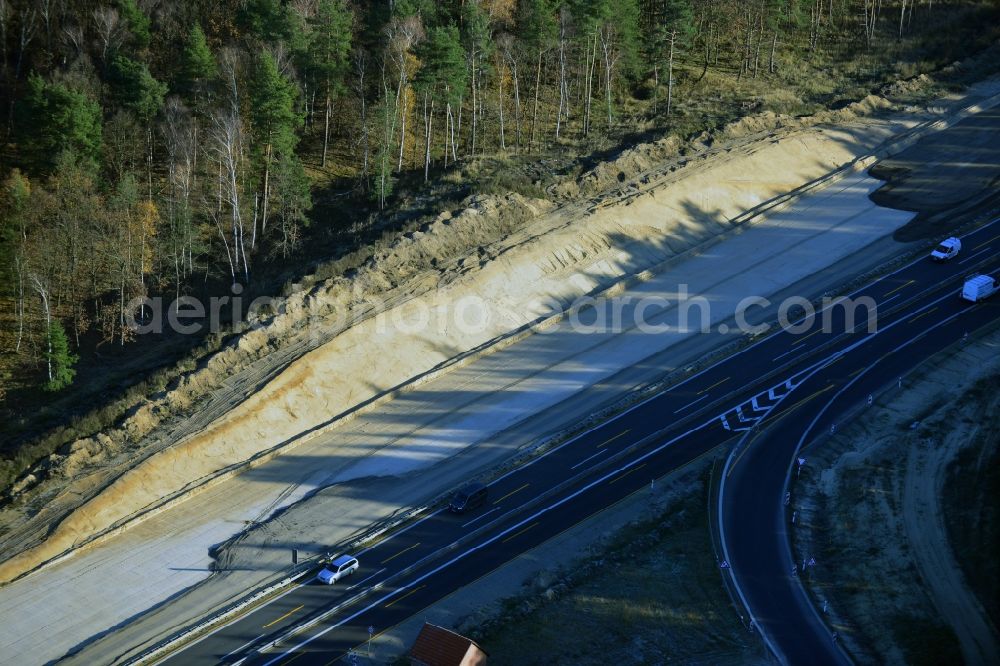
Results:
<point x="437" y="646"/>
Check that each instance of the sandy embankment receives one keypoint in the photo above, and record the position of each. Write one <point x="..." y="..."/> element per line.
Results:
<point x="562" y="255"/>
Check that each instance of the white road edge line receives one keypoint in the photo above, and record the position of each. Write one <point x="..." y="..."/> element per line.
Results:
<point x="637" y="406"/>
<point x="692" y="403"/>
<point x="811" y="369"/>
<point x="361" y="582"/>
<point x="883" y="302"/>
<point x="729" y="459"/>
<point x="250" y="642"/>
<point x="832" y="399"/>
<point x="973" y="256"/>
<point x="488" y="542"/>
<point x="395" y="534"/>
<point x="689" y="379"/>
<point x="588" y="458"/>
<point x="790" y="351"/>
<point x="481" y="516"/>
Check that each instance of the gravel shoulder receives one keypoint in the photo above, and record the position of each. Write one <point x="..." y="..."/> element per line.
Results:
<point x="418" y="436"/>
<point x="636" y="584"/>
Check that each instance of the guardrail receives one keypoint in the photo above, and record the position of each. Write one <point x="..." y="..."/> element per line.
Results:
<point x="855" y="411"/>
<point x="637" y="397"/>
<point x="618" y="409"/>
<point x="748" y="438"/>
<point x="739" y="224"/>
<point x="555" y="490"/>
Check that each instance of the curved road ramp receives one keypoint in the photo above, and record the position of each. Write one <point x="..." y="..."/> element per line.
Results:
<point x="450" y="373"/>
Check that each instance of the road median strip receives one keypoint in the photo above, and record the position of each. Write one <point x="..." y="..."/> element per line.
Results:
<point x="891" y="146"/>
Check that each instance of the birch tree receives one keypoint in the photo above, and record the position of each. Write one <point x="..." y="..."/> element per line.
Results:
<point x="227" y="145"/>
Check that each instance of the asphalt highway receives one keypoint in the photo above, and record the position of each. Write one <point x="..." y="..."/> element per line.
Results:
<point x="784" y="379"/>
<point x="754" y="517"/>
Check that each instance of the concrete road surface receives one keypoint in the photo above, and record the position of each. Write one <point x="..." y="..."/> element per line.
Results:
<point x="918" y="313"/>
<point x="156" y="577"/>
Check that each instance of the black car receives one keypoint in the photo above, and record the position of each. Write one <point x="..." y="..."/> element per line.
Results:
<point x="469" y="497"/>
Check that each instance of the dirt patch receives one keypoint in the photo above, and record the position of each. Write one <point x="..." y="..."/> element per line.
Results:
<point x="646" y="590"/>
<point x="939" y="175"/>
<point x="348" y="341"/>
<point x="972" y="501"/>
<point x="647" y="161"/>
<point x="870" y="508"/>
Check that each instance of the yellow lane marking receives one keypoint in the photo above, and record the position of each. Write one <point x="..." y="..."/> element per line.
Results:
<point x="608" y="441"/>
<point x="413" y="591"/>
<point x="902" y="286"/>
<point x="773" y="422"/>
<point x="283" y="616"/>
<point x="856" y="372"/>
<point x="388" y="559"/>
<point x="803" y="339"/>
<point x="718" y="383"/>
<point x="616" y="480"/>
<point x="922" y="314"/>
<point x="986" y="243"/>
<point x="339" y="658"/>
<point x="511" y="493"/>
<point x="519" y="533"/>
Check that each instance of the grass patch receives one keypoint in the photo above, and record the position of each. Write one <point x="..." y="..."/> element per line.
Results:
<point x="653" y="594"/>
<point x="972" y="499"/>
<point x="925" y="642"/>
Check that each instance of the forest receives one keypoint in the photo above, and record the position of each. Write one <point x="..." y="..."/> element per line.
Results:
<point x="158" y="147"/>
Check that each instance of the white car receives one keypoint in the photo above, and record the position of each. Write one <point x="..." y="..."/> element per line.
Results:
<point x="948" y="249"/>
<point x="338" y="568"/>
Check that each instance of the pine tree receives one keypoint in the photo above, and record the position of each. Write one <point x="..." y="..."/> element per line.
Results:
<point x="60" y="359"/>
<point x="538" y="29"/>
<point x="612" y="27"/>
<point x="197" y="65"/>
<point x="441" y="78"/>
<point x="275" y="121"/>
<point x="135" y="88"/>
<point x="674" y="32"/>
<point x="137" y="21"/>
<point x="57" y="118"/>
<point x="479" y="45"/>
<point x="781" y="15"/>
<point x="267" y="19"/>
<point x="274" y="116"/>
<point x="16" y="214"/>
<point x="329" y="45"/>
<point x="292" y="200"/>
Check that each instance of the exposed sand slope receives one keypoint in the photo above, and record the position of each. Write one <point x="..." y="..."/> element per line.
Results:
<point x="494" y="290"/>
<point x="502" y="289"/>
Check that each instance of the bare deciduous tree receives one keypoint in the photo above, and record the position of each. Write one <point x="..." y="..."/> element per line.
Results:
<point x="107" y="23"/>
<point x="227" y="141"/>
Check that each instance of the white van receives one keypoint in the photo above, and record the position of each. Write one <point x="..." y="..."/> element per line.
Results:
<point x="948" y="249"/>
<point x="978" y="287"/>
